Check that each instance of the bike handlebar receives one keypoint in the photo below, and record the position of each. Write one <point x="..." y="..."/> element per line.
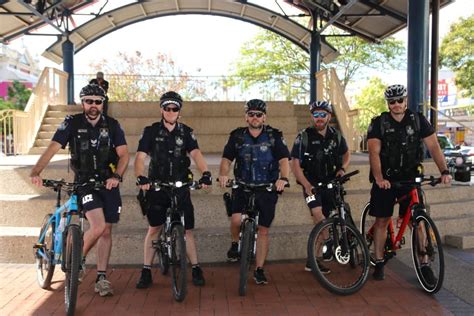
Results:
<point x="418" y="181"/>
<point x="337" y="180"/>
<point x="193" y="185"/>
<point x="71" y="186"/>
<point x="270" y="187"/>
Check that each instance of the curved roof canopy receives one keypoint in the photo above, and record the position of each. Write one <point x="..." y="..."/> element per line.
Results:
<point x="143" y="10"/>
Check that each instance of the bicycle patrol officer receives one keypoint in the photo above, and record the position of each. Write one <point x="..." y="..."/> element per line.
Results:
<point x="320" y="154"/>
<point x="395" y="141"/>
<point x="98" y="151"/>
<point x="167" y="143"/>
<point x="261" y="153"/>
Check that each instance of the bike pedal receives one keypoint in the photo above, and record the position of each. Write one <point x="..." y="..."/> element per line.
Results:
<point x="37" y="246"/>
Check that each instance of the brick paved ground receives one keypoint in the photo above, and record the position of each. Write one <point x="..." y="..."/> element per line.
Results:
<point x="291" y="291"/>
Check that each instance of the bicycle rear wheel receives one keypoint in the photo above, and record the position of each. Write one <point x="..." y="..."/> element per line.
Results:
<point x="72" y="257"/>
<point x="161" y="252"/>
<point x="367" y="230"/>
<point x="246" y="249"/>
<point x="427" y="254"/>
<point x="178" y="262"/>
<point x="348" y="269"/>
<point x="44" y="253"/>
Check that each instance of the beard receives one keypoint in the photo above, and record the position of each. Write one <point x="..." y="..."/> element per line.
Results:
<point x="320" y="125"/>
<point x="255" y="124"/>
<point x="93" y="113"/>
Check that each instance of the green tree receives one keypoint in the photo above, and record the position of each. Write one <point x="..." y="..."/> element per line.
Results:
<point x="18" y="95"/>
<point x="136" y="77"/>
<point x="5" y="105"/>
<point x="370" y="102"/>
<point x="457" y="53"/>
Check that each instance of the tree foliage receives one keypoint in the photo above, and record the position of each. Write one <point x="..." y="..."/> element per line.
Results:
<point x="370" y="102"/>
<point x="136" y="77"/>
<point x="457" y="53"/>
<point x="18" y="96"/>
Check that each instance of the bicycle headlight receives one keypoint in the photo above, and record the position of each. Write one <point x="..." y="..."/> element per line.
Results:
<point x="178" y="184"/>
<point x="459" y="161"/>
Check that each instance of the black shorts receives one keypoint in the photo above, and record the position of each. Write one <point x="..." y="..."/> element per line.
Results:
<point x="324" y="198"/>
<point x="264" y="201"/>
<point x="160" y="201"/>
<point x="382" y="201"/>
<point x="108" y="200"/>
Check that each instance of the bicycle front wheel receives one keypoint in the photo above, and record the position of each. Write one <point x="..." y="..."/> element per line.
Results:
<point x="246" y="250"/>
<point x="427" y="254"/>
<point x="347" y="269"/>
<point x="72" y="257"/>
<point x="367" y="230"/>
<point x="178" y="262"/>
<point x="44" y="253"/>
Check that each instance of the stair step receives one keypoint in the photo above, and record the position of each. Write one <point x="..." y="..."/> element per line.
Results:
<point x="461" y="241"/>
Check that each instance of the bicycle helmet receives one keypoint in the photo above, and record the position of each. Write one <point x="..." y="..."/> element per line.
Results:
<point x="171" y="97"/>
<point x="256" y="105"/>
<point x="92" y="89"/>
<point x="320" y="105"/>
<point x="395" y="91"/>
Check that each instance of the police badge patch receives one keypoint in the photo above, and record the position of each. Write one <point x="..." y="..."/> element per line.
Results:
<point x="104" y="132"/>
<point x="263" y="148"/>
<point x="179" y="141"/>
<point x="192" y="136"/>
<point x="283" y="140"/>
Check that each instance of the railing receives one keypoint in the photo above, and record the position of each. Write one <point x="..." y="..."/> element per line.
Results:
<point x="19" y="128"/>
<point x="330" y="89"/>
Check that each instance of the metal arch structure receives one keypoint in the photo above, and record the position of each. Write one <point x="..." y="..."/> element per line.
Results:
<point x="132" y="13"/>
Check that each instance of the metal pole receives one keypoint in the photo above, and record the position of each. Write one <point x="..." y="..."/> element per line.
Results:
<point x="315" y="58"/>
<point x="68" y="66"/>
<point x="434" y="62"/>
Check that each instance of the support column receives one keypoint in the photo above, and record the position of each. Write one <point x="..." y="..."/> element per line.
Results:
<point x="418" y="17"/>
<point x="68" y="66"/>
<point x="434" y="62"/>
<point x="315" y="59"/>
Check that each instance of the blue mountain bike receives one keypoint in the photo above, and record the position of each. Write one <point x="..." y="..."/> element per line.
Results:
<point x="60" y="241"/>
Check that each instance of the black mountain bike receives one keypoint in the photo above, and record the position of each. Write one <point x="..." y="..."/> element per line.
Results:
<point x="248" y="227"/>
<point x="336" y="244"/>
<point x="171" y="244"/>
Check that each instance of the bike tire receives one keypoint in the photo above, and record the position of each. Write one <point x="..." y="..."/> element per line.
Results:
<point x="366" y="229"/>
<point x="44" y="267"/>
<point x="246" y="249"/>
<point x="162" y="254"/>
<point x="178" y="262"/>
<point x="348" y="270"/>
<point x="433" y="250"/>
<point x="72" y="257"/>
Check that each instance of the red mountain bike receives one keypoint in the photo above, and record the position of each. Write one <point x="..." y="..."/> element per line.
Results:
<point x="426" y="248"/>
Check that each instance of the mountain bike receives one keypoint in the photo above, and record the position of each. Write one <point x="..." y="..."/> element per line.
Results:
<point x="60" y="241"/>
<point x="248" y="227"/>
<point x="171" y="244"/>
<point x="426" y="248"/>
<point x="337" y="241"/>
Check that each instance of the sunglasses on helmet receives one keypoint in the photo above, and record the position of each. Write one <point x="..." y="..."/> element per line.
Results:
<point x="319" y="114"/>
<point x="391" y="102"/>
<point x="257" y="114"/>
<point x="171" y="109"/>
<point x="90" y="101"/>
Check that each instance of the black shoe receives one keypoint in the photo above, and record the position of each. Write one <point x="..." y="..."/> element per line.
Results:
<point x="259" y="276"/>
<point x="323" y="269"/>
<point x="198" y="278"/>
<point x="379" y="275"/>
<point x="327" y="250"/>
<point x="428" y="275"/>
<point x="233" y="253"/>
<point x="145" y="280"/>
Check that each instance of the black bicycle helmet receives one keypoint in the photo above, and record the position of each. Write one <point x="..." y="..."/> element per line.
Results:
<point x="171" y="97"/>
<point x="395" y="91"/>
<point x="320" y="105"/>
<point x="92" y="89"/>
<point x="256" y="105"/>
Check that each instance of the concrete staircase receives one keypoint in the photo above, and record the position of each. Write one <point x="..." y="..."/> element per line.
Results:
<point x="22" y="208"/>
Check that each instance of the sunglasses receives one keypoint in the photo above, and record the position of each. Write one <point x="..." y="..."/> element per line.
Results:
<point x="171" y="109"/>
<point x="396" y="101"/>
<point x="90" y="101"/>
<point x="319" y="114"/>
<point x="257" y="114"/>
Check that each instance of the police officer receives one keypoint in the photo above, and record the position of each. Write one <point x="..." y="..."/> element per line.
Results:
<point x="320" y="154"/>
<point x="167" y="143"/>
<point x="104" y="84"/>
<point x="98" y="151"/>
<point x="395" y="141"/>
<point x="261" y="154"/>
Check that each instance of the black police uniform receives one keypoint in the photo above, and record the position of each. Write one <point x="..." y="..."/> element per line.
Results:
<point x="257" y="161"/>
<point x="401" y="156"/>
<point x="93" y="155"/>
<point x="169" y="163"/>
<point x="320" y="158"/>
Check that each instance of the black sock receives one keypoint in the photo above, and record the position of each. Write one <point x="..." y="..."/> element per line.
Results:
<point x="147" y="267"/>
<point x="100" y="274"/>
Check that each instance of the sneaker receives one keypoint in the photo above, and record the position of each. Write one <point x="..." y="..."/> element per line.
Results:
<point x="428" y="275"/>
<point x="323" y="269"/>
<point x="259" y="276"/>
<point x="307" y="267"/>
<point x="198" y="278"/>
<point x="82" y="272"/>
<point x="327" y="250"/>
<point x="104" y="287"/>
<point x="233" y="253"/>
<point x="145" y="280"/>
<point x="379" y="275"/>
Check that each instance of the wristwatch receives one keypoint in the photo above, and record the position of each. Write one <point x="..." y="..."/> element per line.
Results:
<point x="117" y="176"/>
<point x="445" y="172"/>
